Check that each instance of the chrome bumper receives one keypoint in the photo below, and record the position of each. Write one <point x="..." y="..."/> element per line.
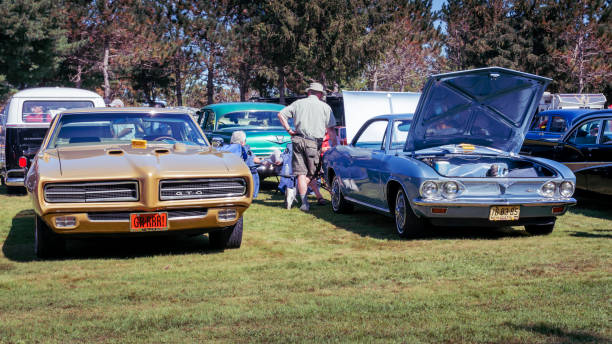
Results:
<point x="15" y="177"/>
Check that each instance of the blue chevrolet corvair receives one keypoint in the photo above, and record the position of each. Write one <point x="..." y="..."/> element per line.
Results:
<point x="455" y="162"/>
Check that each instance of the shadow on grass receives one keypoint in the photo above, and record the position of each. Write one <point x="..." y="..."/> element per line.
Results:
<point x="12" y="191"/>
<point x="365" y="222"/>
<point x="590" y="206"/>
<point x="19" y="245"/>
<point x="605" y="233"/>
<point x="559" y="335"/>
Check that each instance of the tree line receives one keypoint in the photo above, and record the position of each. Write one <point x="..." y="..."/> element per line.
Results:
<point x="191" y="52"/>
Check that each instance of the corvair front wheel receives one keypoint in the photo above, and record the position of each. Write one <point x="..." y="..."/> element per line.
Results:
<point x="407" y="224"/>
<point x="339" y="204"/>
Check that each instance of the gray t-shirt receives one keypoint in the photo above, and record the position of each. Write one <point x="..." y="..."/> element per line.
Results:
<point x="310" y="116"/>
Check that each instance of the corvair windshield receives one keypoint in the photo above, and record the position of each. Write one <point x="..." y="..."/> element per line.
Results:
<point x="122" y="128"/>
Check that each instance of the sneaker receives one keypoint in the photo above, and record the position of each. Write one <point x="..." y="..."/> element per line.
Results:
<point x="321" y="201"/>
<point x="289" y="197"/>
<point x="305" y="207"/>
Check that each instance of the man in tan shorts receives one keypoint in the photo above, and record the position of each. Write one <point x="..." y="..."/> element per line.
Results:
<point x="312" y="119"/>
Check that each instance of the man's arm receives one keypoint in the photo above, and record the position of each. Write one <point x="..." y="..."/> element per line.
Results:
<point x="285" y="123"/>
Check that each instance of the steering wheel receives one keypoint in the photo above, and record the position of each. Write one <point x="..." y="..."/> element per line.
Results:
<point x="164" y="138"/>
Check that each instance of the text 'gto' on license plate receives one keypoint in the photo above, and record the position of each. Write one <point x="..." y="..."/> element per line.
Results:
<point x="504" y="213"/>
<point x="148" y="222"/>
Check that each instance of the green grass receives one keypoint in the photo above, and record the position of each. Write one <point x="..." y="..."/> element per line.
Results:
<point x="314" y="277"/>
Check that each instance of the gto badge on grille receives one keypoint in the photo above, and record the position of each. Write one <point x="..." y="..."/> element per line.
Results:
<point x="188" y="193"/>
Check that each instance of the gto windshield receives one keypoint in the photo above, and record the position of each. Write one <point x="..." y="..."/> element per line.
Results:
<point x="249" y="119"/>
<point x="121" y="128"/>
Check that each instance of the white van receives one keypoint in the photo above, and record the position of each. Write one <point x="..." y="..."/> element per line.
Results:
<point x="24" y="122"/>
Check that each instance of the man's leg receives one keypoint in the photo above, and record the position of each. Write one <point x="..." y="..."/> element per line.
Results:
<point x="303" y="182"/>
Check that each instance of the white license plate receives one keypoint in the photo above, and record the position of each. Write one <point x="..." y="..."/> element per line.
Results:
<point x="504" y="212"/>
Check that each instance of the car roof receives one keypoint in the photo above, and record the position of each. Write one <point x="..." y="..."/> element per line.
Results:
<point x="111" y="110"/>
<point x="394" y="116"/>
<point x="223" y="108"/>
<point x="55" y="92"/>
<point x="570" y="112"/>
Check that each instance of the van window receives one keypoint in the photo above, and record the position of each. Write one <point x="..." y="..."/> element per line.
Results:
<point x="41" y="111"/>
<point x="539" y="123"/>
<point x="558" y="124"/>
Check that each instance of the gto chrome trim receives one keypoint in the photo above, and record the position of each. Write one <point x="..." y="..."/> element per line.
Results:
<point x="124" y="216"/>
<point x="367" y="205"/>
<point x="165" y="186"/>
<point x="85" y="199"/>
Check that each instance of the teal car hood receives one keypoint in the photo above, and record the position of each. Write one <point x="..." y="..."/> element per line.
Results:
<point x="490" y="107"/>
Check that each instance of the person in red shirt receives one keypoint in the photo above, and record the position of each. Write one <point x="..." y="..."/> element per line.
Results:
<point x="37" y="115"/>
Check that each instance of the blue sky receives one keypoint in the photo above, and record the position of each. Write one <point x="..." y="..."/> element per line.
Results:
<point x="437" y="4"/>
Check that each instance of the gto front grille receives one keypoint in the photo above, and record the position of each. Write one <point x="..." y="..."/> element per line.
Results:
<point x="201" y="188"/>
<point x="111" y="191"/>
<point x="124" y="216"/>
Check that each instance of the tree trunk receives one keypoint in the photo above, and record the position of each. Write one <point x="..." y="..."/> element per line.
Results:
<point x="281" y="86"/>
<point x="179" y="83"/>
<point x="107" y="90"/>
<point x="244" y="81"/>
<point x="210" y="86"/>
<point x="375" y="80"/>
<point x="77" y="78"/>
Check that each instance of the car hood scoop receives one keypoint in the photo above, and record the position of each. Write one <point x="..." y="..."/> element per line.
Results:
<point x="489" y="107"/>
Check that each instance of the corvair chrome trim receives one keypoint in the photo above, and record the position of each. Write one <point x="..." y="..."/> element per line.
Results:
<point x="488" y="203"/>
<point x="133" y="187"/>
<point x="385" y="210"/>
<point x="164" y="186"/>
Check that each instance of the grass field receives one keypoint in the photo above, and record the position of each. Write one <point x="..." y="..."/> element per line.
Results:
<point x="314" y="277"/>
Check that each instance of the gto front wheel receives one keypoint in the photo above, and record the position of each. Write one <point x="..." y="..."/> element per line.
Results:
<point x="47" y="244"/>
<point x="407" y="224"/>
<point x="230" y="237"/>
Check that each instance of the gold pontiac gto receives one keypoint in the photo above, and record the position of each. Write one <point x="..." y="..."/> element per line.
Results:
<point x="127" y="171"/>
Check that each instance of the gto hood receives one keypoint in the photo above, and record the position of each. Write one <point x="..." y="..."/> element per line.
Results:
<point x="489" y="107"/>
<point x="127" y="162"/>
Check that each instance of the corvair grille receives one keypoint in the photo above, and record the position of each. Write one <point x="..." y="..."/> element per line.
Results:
<point x="110" y="191"/>
<point x="201" y="188"/>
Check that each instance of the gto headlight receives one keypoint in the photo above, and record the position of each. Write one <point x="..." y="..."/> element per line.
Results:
<point x="548" y="189"/>
<point x="566" y="189"/>
<point x="429" y="189"/>
<point x="450" y="189"/>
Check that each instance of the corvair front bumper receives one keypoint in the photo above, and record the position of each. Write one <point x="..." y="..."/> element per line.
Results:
<point x="477" y="212"/>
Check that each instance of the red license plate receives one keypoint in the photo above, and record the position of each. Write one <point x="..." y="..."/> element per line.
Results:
<point x="148" y="222"/>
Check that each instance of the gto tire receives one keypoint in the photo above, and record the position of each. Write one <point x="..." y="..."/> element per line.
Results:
<point x="47" y="244"/>
<point x="230" y="237"/>
<point x="339" y="204"/>
<point x="407" y="224"/>
<point x="540" y="229"/>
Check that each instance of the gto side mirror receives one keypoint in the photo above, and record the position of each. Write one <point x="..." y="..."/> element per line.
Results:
<point x="217" y="141"/>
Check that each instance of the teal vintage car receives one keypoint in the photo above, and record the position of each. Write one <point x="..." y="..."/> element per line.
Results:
<point x="259" y="121"/>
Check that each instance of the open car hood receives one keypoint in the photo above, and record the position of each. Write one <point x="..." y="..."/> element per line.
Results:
<point x="489" y="107"/>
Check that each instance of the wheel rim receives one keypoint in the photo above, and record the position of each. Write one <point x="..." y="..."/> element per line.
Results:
<point x="400" y="212"/>
<point x="335" y="194"/>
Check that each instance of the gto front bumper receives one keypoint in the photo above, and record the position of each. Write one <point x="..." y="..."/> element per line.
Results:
<point x="114" y="223"/>
<point x="474" y="211"/>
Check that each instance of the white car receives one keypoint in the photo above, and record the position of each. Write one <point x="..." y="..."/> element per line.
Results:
<point x="25" y="119"/>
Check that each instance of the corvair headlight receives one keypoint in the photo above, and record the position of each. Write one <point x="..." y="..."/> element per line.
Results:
<point x="566" y="189"/>
<point x="447" y="189"/>
<point x="548" y="189"/>
<point x="429" y="189"/>
<point x="450" y="189"/>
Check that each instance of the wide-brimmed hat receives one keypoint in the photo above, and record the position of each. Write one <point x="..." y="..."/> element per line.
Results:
<point x="315" y="86"/>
